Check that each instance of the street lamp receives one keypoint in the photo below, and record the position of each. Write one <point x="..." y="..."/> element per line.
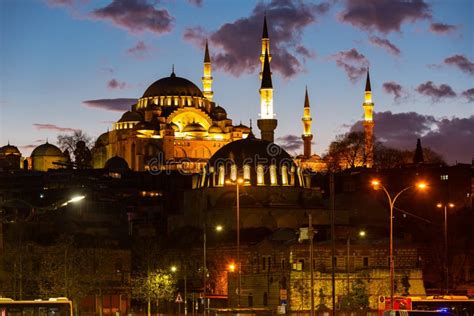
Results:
<point x="174" y="269"/>
<point x="361" y="234"/>
<point x="218" y="229"/>
<point x="237" y="183"/>
<point x="377" y="184"/>
<point x="446" y="273"/>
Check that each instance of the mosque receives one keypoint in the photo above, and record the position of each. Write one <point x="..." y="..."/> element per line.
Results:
<point x="177" y="126"/>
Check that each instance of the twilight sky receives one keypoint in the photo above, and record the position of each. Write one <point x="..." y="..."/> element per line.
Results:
<point x="78" y="64"/>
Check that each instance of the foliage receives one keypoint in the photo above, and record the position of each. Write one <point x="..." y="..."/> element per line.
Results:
<point x="82" y="155"/>
<point x="69" y="142"/>
<point x="386" y="157"/>
<point x="154" y="286"/>
<point x="358" y="297"/>
<point x="347" y="151"/>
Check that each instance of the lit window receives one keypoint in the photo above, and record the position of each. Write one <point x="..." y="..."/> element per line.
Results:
<point x="233" y="172"/>
<point x="247" y="172"/>
<point x="284" y="175"/>
<point x="221" y="176"/>
<point x="444" y="177"/>
<point x="273" y="175"/>
<point x="260" y="175"/>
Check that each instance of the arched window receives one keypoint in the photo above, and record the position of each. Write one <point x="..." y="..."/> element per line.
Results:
<point x="273" y="175"/>
<point x="247" y="172"/>
<point x="220" y="182"/>
<point x="260" y="175"/>
<point x="233" y="172"/>
<point x="284" y="175"/>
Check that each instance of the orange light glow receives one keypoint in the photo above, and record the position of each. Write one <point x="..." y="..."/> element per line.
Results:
<point x="240" y="180"/>
<point x="439" y="205"/>
<point x="375" y="183"/>
<point x="231" y="267"/>
<point x="451" y="205"/>
<point x="421" y="185"/>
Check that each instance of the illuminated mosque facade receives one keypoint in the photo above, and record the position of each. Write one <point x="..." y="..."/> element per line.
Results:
<point x="177" y="126"/>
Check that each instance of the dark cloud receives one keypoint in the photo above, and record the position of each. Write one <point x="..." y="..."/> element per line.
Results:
<point x="140" y="50"/>
<point x="461" y="62"/>
<point x="115" y="84"/>
<point x="469" y="94"/>
<point x="291" y="143"/>
<point x="436" y="92"/>
<point x="385" y="44"/>
<point x="119" y="105"/>
<point x="384" y="15"/>
<point x="354" y="63"/>
<point x="196" y="35"/>
<point x="452" y="138"/>
<point x="136" y="16"/>
<point x="53" y="127"/>
<point x="394" y="88"/>
<point x="237" y="45"/>
<point x="441" y="28"/>
<point x="197" y="3"/>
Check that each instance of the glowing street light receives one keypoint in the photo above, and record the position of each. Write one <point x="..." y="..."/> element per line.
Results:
<point x="74" y="199"/>
<point x="377" y="185"/>
<point x="446" y="270"/>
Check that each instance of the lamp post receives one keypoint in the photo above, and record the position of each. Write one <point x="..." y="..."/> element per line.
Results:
<point x="218" y="229"/>
<point x="174" y="269"/>
<point x="361" y="234"/>
<point x="391" y="200"/>
<point x="237" y="183"/>
<point x="445" y="261"/>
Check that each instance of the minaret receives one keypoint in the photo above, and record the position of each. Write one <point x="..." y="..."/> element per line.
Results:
<point x="307" y="135"/>
<point x="266" y="123"/>
<point x="368" y="106"/>
<point x="265" y="45"/>
<point x="207" y="76"/>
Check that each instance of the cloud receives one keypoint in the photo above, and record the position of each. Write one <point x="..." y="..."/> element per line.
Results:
<point x="468" y="94"/>
<point x="136" y="16"/>
<point x="197" y="3"/>
<point x="118" y="105"/>
<point x="385" y="44"/>
<point x="441" y="28"/>
<point x="384" y="15"/>
<point x="291" y="143"/>
<point x="196" y="35"/>
<point x="60" y="3"/>
<point x="436" y="92"/>
<point x="461" y="62"/>
<point x="394" y="88"/>
<point x="53" y="127"/>
<point x="115" y="84"/>
<point x="140" y="50"/>
<point x="352" y="62"/>
<point x="453" y="138"/>
<point x="236" y="45"/>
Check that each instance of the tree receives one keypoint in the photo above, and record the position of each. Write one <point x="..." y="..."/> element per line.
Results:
<point x="69" y="141"/>
<point x="153" y="287"/>
<point x="82" y="155"/>
<point x="358" y="297"/>
<point x="347" y="151"/>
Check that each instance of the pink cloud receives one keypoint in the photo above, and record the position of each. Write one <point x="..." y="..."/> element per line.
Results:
<point x="53" y="127"/>
<point x="352" y="62"/>
<point x="115" y="84"/>
<point x="385" y="44"/>
<point x="436" y="92"/>
<point x="441" y="28"/>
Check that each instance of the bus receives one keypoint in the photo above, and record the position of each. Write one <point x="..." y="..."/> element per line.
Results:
<point x="60" y="306"/>
<point x="453" y="304"/>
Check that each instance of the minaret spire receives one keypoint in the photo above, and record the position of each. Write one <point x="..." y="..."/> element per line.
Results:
<point x="207" y="75"/>
<point x="265" y="44"/>
<point x="368" y="107"/>
<point x="266" y="123"/>
<point x="307" y="120"/>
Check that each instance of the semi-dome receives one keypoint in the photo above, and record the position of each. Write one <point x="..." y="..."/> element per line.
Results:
<point x="219" y="113"/>
<point x="9" y="150"/>
<point x="47" y="149"/>
<point x="130" y="116"/>
<point x="173" y="86"/>
<point x="194" y="127"/>
<point x="115" y="164"/>
<point x="215" y="129"/>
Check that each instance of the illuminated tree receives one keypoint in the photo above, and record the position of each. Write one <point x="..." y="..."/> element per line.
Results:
<point x="153" y="287"/>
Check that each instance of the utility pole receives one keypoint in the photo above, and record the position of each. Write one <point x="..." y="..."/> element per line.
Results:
<point x="311" y="260"/>
<point x="333" y="243"/>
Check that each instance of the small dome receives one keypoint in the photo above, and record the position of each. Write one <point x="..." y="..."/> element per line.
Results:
<point x="194" y="127"/>
<point x="173" y="86"/>
<point x="241" y="127"/>
<point x="219" y="113"/>
<point x="116" y="163"/>
<point x="9" y="150"/>
<point x="47" y="149"/>
<point x="215" y="129"/>
<point x="173" y="126"/>
<point x="130" y="116"/>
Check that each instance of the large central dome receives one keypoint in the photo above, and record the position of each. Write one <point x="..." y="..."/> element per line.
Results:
<point x="173" y="86"/>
